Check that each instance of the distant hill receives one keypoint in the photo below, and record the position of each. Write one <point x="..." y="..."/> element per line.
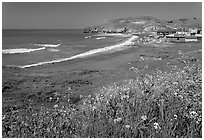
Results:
<point x="143" y="24"/>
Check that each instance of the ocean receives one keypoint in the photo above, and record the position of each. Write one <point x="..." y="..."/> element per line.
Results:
<point x="26" y="48"/>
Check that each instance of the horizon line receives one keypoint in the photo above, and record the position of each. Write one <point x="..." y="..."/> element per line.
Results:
<point x="41" y="29"/>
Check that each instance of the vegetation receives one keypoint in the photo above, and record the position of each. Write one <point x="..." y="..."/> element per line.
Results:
<point x="144" y="24"/>
<point x="158" y="105"/>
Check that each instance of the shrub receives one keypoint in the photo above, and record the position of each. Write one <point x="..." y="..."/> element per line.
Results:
<point x="157" y="105"/>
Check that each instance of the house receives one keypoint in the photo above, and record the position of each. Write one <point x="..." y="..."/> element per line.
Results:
<point x="193" y="34"/>
<point x="199" y="36"/>
<point x="194" y="30"/>
<point x="191" y="38"/>
<point x="199" y="31"/>
<point x="165" y="32"/>
<point x="176" y="38"/>
<point x="170" y="37"/>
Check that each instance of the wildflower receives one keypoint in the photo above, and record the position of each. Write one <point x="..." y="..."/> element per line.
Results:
<point x="175" y="83"/>
<point x="193" y="114"/>
<point x="127" y="126"/>
<point x="4" y="116"/>
<point x="175" y="116"/>
<point x="191" y="82"/>
<point x="180" y="52"/>
<point x="69" y="89"/>
<point x="55" y="106"/>
<point x="144" y="118"/>
<point x="142" y="58"/>
<point x="180" y="96"/>
<point x="156" y="126"/>
<point x="146" y="67"/>
<point x="117" y="120"/>
<point x="56" y="94"/>
<point x="199" y="120"/>
<point x="94" y="107"/>
<point x="175" y="93"/>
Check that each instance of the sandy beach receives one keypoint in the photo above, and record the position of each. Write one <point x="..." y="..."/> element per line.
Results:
<point x="109" y="49"/>
<point x="114" y="34"/>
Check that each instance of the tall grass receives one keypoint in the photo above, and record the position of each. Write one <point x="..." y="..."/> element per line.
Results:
<point x="167" y="105"/>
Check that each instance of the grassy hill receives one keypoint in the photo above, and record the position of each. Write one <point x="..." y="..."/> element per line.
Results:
<point x="145" y="24"/>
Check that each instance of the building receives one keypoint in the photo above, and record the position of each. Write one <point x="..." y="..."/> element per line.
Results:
<point x="165" y="32"/>
<point x="199" y="31"/>
<point x="191" y="38"/>
<point x="176" y="37"/>
<point x="194" y="30"/>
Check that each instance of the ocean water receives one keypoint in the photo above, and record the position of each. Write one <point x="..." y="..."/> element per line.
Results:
<point x="29" y="47"/>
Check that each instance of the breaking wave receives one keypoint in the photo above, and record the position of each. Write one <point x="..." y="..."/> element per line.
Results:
<point x="20" y="50"/>
<point x="25" y="50"/>
<point x="100" y="38"/>
<point x="88" y="53"/>
<point x="48" y="45"/>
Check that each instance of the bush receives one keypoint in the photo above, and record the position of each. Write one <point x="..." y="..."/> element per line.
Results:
<point x="167" y="105"/>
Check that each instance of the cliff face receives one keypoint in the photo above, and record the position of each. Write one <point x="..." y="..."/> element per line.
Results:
<point x="143" y="24"/>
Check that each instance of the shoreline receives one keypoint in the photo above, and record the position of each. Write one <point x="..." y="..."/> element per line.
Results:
<point x="88" y="53"/>
<point x="113" y="34"/>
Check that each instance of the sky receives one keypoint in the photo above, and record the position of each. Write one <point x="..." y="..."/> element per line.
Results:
<point x="70" y="15"/>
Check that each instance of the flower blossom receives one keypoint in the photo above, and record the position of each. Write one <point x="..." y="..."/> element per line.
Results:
<point x="156" y="126"/>
<point x="144" y="118"/>
<point x="127" y="126"/>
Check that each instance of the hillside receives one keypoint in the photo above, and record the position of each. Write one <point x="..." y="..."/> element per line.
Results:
<point x="143" y="24"/>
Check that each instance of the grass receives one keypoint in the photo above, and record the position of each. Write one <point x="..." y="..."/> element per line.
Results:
<point x="160" y="105"/>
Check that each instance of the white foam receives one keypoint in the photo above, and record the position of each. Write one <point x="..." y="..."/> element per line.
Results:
<point x="88" y="37"/>
<point x="53" y="50"/>
<point x="100" y="37"/>
<point x="47" y="45"/>
<point x="20" y="50"/>
<point x="24" y="50"/>
<point x="88" y="53"/>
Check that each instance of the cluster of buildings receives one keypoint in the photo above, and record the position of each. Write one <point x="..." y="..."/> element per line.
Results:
<point x="181" y="35"/>
<point x="159" y="36"/>
<point x="172" y="35"/>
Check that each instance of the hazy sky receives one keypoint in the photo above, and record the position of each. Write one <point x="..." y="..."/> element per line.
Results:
<point x="79" y="15"/>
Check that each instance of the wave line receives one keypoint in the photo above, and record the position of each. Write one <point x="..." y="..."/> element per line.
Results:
<point x="88" y="53"/>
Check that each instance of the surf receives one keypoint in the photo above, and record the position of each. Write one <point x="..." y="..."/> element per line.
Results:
<point x="20" y="50"/>
<point x="88" y="53"/>
<point x="25" y="50"/>
<point x="48" y="45"/>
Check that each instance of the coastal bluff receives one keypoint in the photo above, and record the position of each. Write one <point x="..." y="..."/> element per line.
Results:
<point x="143" y="24"/>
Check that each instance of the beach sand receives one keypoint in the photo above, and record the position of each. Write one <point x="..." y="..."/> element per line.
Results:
<point x="108" y="49"/>
<point x="114" y="34"/>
